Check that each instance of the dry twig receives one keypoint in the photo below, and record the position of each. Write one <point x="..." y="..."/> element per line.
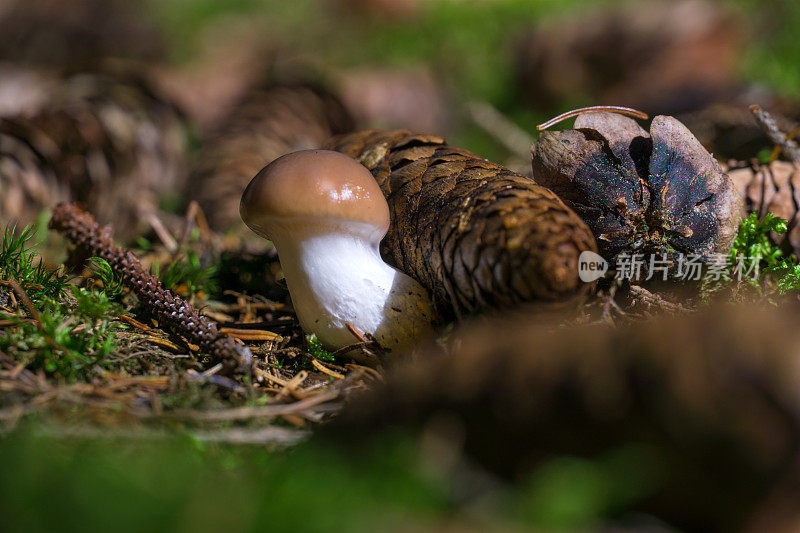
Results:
<point x="170" y="310"/>
<point x="770" y="127"/>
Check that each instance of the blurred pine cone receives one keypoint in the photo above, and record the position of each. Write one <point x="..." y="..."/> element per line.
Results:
<point x="75" y="35"/>
<point x="700" y="413"/>
<point x="664" y="57"/>
<point x="108" y="143"/>
<point x="23" y="91"/>
<point x="389" y="98"/>
<point x="265" y="125"/>
<point x="475" y="234"/>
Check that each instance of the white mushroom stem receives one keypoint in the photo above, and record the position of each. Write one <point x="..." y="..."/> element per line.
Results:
<point x="338" y="277"/>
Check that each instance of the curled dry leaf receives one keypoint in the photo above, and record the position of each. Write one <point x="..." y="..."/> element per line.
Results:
<point x="640" y="192"/>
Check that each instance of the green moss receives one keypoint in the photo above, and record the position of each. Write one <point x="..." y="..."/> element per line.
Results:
<point x="316" y="349"/>
<point x="189" y="273"/>
<point x="71" y="338"/>
<point x="753" y="242"/>
<point x="112" y="285"/>
<point x="19" y="262"/>
<point x="74" y="330"/>
<point x="185" y="484"/>
<point x="754" y="253"/>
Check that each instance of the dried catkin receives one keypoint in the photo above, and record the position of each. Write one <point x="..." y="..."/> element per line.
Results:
<point x="172" y="312"/>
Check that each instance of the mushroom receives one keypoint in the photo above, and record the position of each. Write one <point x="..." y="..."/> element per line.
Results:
<point x="326" y="216"/>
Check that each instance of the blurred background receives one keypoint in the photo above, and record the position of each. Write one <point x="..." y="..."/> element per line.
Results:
<point x="139" y="107"/>
<point x="145" y="110"/>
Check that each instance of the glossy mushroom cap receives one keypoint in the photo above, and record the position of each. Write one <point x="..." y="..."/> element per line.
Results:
<point x="319" y="187"/>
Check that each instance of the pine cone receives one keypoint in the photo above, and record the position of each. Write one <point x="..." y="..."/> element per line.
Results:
<point x="772" y="188"/>
<point x="713" y="417"/>
<point x="109" y="144"/>
<point x="390" y="98"/>
<point x="23" y="91"/>
<point x="265" y="125"/>
<point x="25" y="187"/>
<point x="472" y="232"/>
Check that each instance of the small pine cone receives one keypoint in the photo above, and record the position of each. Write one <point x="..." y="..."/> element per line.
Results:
<point x="712" y="416"/>
<point x="265" y="125"/>
<point x="772" y="188"/>
<point x="109" y="144"/>
<point x="475" y="234"/>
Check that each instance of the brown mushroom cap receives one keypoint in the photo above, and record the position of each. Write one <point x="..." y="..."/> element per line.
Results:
<point x="313" y="185"/>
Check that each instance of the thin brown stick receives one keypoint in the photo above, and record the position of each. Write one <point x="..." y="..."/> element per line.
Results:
<point x="655" y="300"/>
<point x="514" y="138"/>
<point x="265" y="411"/>
<point x="325" y="370"/>
<point x="163" y="233"/>
<point x="635" y="113"/>
<point x="794" y="132"/>
<point x="768" y="125"/>
<point x="26" y="301"/>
